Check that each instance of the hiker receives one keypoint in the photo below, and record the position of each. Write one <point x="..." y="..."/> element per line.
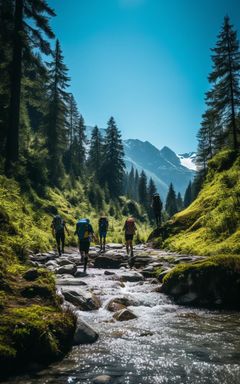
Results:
<point x="130" y="229"/>
<point x="85" y="233"/>
<point x="157" y="208"/>
<point x="103" y="228"/>
<point x="58" y="230"/>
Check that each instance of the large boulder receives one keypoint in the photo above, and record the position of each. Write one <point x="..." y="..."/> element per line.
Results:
<point x="84" y="333"/>
<point x="212" y="283"/>
<point x="124" y="315"/>
<point x="85" y="301"/>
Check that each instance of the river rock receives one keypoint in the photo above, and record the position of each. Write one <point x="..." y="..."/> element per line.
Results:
<point x="93" y="254"/>
<point x="52" y="263"/>
<point x="124" y="315"/>
<point x="131" y="277"/>
<point x="84" y="333"/>
<point x="118" y="303"/>
<point x="64" y="261"/>
<point x="109" y="273"/>
<point x="103" y="379"/>
<point x="114" y="246"/>
<point x="85" y="301"/>
<point x="105" y="261"/>
<point x="70" y="269"/>
<point x="69" y="280"/>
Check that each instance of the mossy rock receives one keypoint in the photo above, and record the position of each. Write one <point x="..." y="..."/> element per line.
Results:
<point x="34" y="334"/>
<point x="213" y="283"/>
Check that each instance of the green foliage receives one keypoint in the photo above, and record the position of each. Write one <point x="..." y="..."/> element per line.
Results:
<point x="211" y="224"/>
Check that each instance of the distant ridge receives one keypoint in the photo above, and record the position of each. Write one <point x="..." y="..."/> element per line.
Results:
<point x="163" y="166"/>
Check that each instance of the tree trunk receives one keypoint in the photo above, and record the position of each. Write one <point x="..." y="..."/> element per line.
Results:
<point x="12" y="145"/>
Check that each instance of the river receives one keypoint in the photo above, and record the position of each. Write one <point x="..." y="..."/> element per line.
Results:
<point x="166" y="343"/>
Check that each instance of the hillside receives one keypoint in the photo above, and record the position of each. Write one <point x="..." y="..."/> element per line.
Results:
<point x="211" y="224"/>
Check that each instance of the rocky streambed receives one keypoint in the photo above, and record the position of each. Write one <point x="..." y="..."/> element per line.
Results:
<point x="129" y="332"/>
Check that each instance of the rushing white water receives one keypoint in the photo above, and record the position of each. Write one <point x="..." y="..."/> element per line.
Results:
<point x="165" y="344"/>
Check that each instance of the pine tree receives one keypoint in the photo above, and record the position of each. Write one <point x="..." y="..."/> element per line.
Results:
<point x="179" y="202"/>
<point x="224" y="97"/>
<point x="188" y="195"/>
<point x="136" y="186"/>
<point x="95" y="155"/>
<point x="151" y="189"/>
<point x="142" y="189"/>
<point x="27" y="38"/>
<point x="57" y="134"/>
<point x="81" y="141"/>
<point x="130" y="184"/>
<point x="70" y="156"/>
<point x="73" y="118"/>
<point x="113" y="163"/>
<point x="171" y="202"/>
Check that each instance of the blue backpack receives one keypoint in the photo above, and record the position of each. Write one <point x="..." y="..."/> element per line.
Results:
<point x="83" y="229"/>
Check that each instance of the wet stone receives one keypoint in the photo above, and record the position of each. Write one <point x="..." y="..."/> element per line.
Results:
<point x="109" y="273"/>
<point x="85" y="301"/>
<point x="70" y="269"/>
<point x="131" y="277"/>
<point x="124" y="315"/>
<point x="118" y="303"/>
<point x="114" y="246"/>
<point x="107" y="262"/>
<point x="103" y="379"/>
<point x="84" y="333"/>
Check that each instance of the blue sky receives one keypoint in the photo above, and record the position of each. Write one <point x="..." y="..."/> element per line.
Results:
<point x="145" y="62"/>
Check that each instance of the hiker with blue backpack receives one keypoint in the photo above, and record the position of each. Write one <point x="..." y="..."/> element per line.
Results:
<point x="102" y="229"/>
<point x="85" y="233"/>
<point x="58" y="230"/>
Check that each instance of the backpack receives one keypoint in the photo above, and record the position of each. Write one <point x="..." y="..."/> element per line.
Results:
<point x="83" y="229"/>
<point x="103" y="224"/>
<point x="130" y="227"/>
<point x="58" y="223"/>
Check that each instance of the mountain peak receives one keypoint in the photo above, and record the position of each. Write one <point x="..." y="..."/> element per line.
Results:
<point x="170" y="156"/>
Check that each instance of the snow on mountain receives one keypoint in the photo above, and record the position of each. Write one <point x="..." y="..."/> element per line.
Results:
<point x="188" y="160"/>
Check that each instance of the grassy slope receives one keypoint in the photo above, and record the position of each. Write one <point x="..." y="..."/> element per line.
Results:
<point x="211" y="224"/>
<point x="33" y="327"/>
